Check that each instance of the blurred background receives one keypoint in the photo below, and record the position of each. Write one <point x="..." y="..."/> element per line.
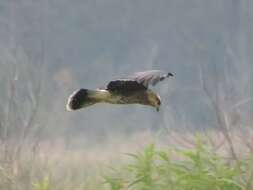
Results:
<point x="48" y="49"/>
<point x="51" y="48"/>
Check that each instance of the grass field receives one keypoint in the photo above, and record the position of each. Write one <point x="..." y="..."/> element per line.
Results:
<point x="141" y="162"/>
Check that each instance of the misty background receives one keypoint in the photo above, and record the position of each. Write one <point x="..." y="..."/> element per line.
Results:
<point x="48" y="49"/>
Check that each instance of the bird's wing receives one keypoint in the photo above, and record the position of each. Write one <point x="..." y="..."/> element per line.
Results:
<point x="151" y="77"/>
<point x="138" y="81"/>
<point x="125" y="86"/>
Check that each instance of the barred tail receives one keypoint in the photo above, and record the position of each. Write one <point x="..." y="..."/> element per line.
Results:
<point x="83" y="97"/>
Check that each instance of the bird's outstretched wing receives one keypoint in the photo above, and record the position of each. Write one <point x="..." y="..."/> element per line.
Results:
<point x="137" y="81"/>
<point x="125" y="85"/>
<point x="151" y="77"/>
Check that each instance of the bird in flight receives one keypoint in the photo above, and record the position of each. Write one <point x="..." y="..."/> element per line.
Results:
<point x="129" y="90"/>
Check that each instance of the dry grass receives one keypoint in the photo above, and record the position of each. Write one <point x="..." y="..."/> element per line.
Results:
<point x="54" y="166"/>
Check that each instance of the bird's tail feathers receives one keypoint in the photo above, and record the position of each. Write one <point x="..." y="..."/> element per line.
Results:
<point x="84" y="97"/>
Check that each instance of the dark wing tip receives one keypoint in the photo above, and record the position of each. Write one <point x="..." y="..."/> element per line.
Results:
<point x="170" y="75"/>
<point x="75" y="100"/>
<point x="166" y="76"/>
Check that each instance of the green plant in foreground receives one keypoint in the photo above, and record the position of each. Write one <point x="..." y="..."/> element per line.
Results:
<point x="196" y="169"/>
<point x="44" y="184"/>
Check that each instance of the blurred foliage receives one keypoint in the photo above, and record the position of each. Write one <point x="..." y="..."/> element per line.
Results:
<point x="195" y="169"/>
<point x="42" y="185"/>
<point x="199" y="167"/>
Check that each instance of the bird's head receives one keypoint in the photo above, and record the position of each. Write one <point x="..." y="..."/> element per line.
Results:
<point x="154" y="100"/>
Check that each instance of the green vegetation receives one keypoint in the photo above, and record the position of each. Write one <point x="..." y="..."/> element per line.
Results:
<point x="196" y="169"/>
<point x="42" y="185"/>
<point x="159" y="167"/>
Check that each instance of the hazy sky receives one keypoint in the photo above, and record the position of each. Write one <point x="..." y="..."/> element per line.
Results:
<point x="85" y="43"/>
